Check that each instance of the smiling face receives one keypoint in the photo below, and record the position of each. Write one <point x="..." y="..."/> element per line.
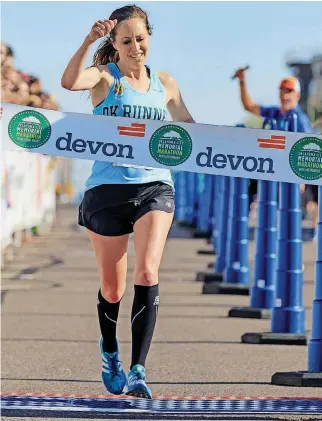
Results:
<point x="132" y="42"/>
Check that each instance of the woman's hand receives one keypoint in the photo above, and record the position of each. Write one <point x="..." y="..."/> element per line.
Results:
<point x="100" y="29"/>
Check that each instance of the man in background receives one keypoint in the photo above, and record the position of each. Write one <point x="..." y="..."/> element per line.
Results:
<point x="289" y="95"/>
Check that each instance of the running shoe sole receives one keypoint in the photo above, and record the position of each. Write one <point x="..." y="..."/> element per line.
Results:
<point x="139" y="393"/>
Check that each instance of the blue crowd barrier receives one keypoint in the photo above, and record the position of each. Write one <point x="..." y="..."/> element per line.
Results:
<point x="262" y="293"/>
<point x="221" y="208"/>
<point x="205" y="206"/>
<point x="230" y="272"/>
<point x="180" y="196"/>
<point x="191" y="192"/>
<point x="278" y="273"/>
<point x="215" y="218"/>
<point x="288" y="315"/>
<point x="231" y="268"/>
<point x="263" y="290"/>
<point x="236" y="276"/>
<point x="223" y="225"/>
<point x="315" y="342"/>
<point x="313" y="376"/>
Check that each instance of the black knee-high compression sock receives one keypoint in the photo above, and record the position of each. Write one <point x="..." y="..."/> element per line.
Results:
<point x="107" y="316"/>
<point x="143" y="319"/>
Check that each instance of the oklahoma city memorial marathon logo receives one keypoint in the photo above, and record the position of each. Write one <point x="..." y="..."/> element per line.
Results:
<point x="306" y="158"/>
<point x="170" y="145"/>
<point x="29" y="129"/>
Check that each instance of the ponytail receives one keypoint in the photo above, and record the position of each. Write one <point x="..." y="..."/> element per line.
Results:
<point x="105" y="53"/>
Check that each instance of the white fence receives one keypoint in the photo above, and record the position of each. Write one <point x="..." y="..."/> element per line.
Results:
<point x="28" y="197"/>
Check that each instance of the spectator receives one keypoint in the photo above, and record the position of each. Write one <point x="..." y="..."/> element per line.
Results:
<point x="7" y="58"/>
<point x="289" y="93"/>
<point x="10" y="57"/>
<point x="20" y="88"/>
<point x="35" y="101"/>
<point x="34" y="85"/>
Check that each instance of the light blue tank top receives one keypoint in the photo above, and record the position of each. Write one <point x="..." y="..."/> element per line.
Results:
<point x="124" y="101"/>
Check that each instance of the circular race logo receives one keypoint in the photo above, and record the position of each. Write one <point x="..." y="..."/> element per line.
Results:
<point x="306" y="158"/>
<point x="170" y="145"/>
<point x="29" y="129"/>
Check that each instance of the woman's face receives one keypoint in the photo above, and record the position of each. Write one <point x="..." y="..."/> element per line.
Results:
<point x="132" y="42"/>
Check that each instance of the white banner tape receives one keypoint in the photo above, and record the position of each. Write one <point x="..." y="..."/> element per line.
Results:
<point x="230" y="151"/>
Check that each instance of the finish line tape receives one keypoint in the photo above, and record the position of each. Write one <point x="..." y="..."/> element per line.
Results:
<point x="201" y="148"/>
<point x="166" y="405"/>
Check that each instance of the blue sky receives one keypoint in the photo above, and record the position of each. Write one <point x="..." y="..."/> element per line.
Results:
<point x="199" y="43"/>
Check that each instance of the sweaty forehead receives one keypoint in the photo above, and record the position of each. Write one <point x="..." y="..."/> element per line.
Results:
<point x="130" y="27"/>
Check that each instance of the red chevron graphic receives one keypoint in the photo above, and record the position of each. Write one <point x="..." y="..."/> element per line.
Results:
<point x="136" y="129"/>
<point x="274" y="142"/>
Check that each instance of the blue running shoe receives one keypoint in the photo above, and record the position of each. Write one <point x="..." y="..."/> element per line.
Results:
<point x="113" y="376"/>
<point x="136" y="385"/>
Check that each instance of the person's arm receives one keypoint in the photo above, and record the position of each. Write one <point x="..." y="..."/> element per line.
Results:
<point x="175" y="103"/>
<point x="246" y="99"/>
<point x="75" y="77"/>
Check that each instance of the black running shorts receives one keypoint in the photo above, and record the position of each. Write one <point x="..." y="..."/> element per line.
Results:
<point x="113" y="209"/>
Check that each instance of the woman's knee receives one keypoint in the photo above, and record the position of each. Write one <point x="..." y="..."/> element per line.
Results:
<point x="147" y="275"/>
<point x="112" y="294"/>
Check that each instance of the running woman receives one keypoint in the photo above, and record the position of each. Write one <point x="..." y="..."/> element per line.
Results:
<point x="122" y="199"/>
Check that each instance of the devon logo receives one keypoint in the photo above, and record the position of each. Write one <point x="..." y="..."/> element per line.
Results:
<point x="170" y="145"/>
<point x="234" y="162"/>
<point x="29" y="129"/>
<point x="306" y="158"/>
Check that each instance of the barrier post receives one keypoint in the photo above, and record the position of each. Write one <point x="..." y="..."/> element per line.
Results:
<point x="262" y="293"/>
<point x="210" y="211"/>
<point x="180" y="197"/>
<point x="236" y="270"/>
<point x="191" y="197"/>
<point x="315" y="343"/>
<point x="217" y="276"/>
<point x="313" y="376"/>
<point x="215" y="220"/>
<point x="215" y="231"/>
<point x="219" y="234"/>
<point x="205" y="208"/>
<point x="236" y="273"/>
<point x="288" y="315"/>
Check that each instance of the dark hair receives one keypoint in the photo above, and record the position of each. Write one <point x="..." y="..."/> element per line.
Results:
<point x="106" y="53"/>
